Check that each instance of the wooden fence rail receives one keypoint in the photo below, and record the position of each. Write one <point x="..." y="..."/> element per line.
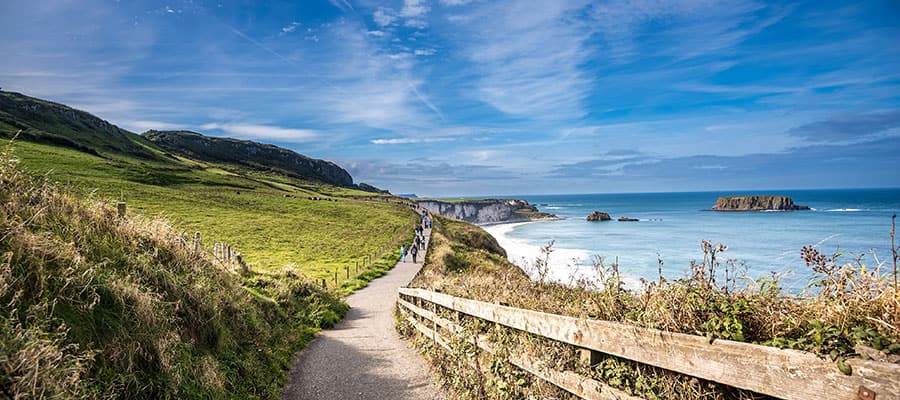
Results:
<point x="786" y="374"/>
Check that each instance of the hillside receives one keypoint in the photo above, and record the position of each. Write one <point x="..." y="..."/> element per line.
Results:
<point x="247" y="154"/>
<point x="98" y="306"/>
<point x="128" y="308"/>
<point x="274" y="219"/>
<point x="55" y="124"/>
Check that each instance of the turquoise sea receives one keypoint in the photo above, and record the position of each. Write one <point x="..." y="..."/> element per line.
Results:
<point x="672" y="226"/>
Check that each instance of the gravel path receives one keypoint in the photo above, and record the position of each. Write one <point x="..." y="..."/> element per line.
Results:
<point x="363" y="357"/>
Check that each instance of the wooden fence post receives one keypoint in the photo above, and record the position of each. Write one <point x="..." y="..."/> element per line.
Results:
<point x="196" y="242"/>
<point x="323" y="283"/>
<point x="347" y="270"/>
<point x="589" y="357"/>
<point x="335" y="277"/>
<point x="121" y="208"/>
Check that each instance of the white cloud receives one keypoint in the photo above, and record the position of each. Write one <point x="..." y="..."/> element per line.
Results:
<point x="290" y="27"/>
<point x="144" y="125"/>
<point x="342" y="4"/>
<point x="267" y="132"/>
<point x="408" y="140"/>
<point x="414" y="9"/>
<point x="454" y="2"/>
<point x="530" y="57"/>
<point x="425" y="52"/>
<point x="384" y="16"/>
<point x="375" y="33"/>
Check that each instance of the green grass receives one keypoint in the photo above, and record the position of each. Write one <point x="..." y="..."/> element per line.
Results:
<point x="96" y="306"/>
<point x="247" y="210"/>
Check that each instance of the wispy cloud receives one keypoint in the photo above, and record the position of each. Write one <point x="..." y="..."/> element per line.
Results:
<point x="144" y="125"/>
<point x="290" y="27"/>
<point x="530" y="56"/>
<point x="849" y="127"/>
<point x="265" y="132"/>
<point x="409" y="140"/>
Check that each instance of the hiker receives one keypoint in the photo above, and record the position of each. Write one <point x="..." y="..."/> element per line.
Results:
<point x="414" y="250"/>
<point x="403" y="253"/>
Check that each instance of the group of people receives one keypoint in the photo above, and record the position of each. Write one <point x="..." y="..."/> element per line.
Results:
<point x="419" y="242"/>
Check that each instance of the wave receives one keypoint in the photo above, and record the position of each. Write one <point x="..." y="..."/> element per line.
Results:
<point x="566" y="265"/>
<point x="845" y="210"/>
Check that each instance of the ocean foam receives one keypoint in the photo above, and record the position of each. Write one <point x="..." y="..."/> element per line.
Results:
<point x="844" y="210"/>
<point x="566" y="265"/>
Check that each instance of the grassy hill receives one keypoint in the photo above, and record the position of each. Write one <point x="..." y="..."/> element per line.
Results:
<point x="250" y="155"/>
<point x="97" y="306"/>
<point x="127" y="309"/>
<point x="48" y="122"/>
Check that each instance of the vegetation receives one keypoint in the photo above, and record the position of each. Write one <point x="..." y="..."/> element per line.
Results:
<point x="274" y="221"/>
<point x="48" y="122"/>
<point x="850" y="310"/>
<point x="249" y="155"/>
<point x="98" y="306"/>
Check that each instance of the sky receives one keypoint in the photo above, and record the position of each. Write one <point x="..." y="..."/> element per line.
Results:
<point x="478" y="97"/>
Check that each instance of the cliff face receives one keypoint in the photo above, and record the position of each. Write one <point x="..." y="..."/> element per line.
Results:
<point x="249" y="154"/>
<point x="756" y="203"/>
<point x="487" y="211"/>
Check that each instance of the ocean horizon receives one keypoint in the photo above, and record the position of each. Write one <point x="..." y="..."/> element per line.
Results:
<point x="672" y="225"/>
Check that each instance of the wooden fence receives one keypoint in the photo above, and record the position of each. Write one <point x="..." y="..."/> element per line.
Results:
<point x="786" y="374"/>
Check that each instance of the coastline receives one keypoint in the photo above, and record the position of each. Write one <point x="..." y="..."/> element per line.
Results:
<point x="565" y="265"/>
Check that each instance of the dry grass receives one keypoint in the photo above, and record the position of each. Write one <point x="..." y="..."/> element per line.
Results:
<point x="97" y="306"/>
<point x="848" y="311"/>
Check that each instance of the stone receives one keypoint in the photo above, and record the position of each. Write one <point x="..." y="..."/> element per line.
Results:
<point x="626" y="219"/>
<point x="599" y="216"/>
<point x="757" y="203"/>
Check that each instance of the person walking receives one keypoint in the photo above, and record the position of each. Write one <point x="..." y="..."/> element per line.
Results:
<point x="414" y="251"/>
<point x="403" y="253"/>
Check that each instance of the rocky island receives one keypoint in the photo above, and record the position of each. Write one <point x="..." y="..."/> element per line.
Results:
<point x="487" y="211"/>
<point x="599" y="216"/>
<point x="757" y="203"/>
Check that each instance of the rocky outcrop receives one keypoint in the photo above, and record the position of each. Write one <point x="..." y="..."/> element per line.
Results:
<point x="757" y="203"/>
<point x="599" y="216"/>
<point x="626" y="219"/>
<point x="244" y="153"/>
<point x="487" y="211"/>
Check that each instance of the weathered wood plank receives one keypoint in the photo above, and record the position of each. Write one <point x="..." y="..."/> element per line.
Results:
<point x="577" y="384"/>
<point x="787" y="374"/>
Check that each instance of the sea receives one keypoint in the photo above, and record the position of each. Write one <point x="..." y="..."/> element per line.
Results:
<point x="855" y="223"/>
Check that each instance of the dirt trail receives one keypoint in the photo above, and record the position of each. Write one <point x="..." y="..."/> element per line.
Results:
<point x="363" y="357"/>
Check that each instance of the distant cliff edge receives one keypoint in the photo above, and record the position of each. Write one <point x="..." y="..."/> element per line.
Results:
<point x="487" y="211"/>
<point x="757" y="203"/>
<point x="259" y="156"/>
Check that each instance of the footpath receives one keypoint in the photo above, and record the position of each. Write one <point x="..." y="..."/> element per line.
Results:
<point x="363" y="356"/>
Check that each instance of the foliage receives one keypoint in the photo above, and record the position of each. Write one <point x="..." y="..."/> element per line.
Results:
<point x="97" y="306"/>
<point x="848" y="311"/>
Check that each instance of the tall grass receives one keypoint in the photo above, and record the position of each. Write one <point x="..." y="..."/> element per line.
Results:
<point x="850" y="310"/>
<point x="97" y="306"/>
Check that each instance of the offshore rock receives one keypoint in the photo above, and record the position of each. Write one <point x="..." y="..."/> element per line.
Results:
<point x="599" y="216"/>
<point x="757" y="203"/>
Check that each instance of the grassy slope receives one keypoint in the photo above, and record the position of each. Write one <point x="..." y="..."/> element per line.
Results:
<point x="247" y="210"/>
<point x="852" y="307"/>
<point x="94" y="306"/>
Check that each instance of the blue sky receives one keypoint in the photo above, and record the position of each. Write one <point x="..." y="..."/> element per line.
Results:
<point x="469" y="97"/>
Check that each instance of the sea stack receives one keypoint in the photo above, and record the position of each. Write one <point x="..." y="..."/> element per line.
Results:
<point x="599" y="216"/>
<point x="757" y="203"/>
